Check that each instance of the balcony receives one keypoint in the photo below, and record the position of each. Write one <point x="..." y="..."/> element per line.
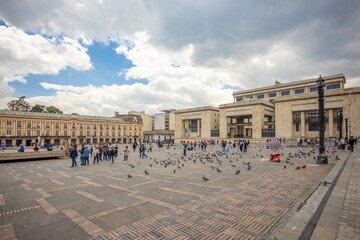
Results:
<point x="239" y="124"/>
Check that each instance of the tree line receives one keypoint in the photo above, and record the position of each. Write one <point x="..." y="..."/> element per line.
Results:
<point x="22" y="105"/>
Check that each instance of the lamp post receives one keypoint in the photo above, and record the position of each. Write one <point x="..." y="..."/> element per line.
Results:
<point x="322" y="158"/>
<point x="346" y="129"/>
<point x="340" y="120"/>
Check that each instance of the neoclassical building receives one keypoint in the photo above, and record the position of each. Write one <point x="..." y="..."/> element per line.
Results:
<point x="30" y="127"/>
<point x="287" y="110"/>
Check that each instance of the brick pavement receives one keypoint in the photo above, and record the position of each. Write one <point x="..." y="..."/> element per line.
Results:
<point x="101" y="202"/>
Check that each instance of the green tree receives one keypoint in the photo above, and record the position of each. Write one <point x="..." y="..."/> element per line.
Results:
<point x="38" y="108"/>
<point x="19" y="105"/>
<point x="53" y="109"/>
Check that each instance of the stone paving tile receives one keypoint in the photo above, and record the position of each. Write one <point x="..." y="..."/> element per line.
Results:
<point x="48" y="208"/>
<point x="90" y="196"/>
<point x="7" y="232"/>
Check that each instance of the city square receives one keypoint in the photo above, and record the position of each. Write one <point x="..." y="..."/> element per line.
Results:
<point x="47" y="199"/>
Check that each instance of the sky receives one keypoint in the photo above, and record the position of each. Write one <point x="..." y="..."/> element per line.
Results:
<point x="96" y="57"/>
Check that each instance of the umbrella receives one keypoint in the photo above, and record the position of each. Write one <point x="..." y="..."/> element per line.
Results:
<point x="273" y="144"/>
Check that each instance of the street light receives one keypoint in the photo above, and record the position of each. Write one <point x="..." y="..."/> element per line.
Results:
<point x="340" y="120"/>
<point x="346" y="128"/>
<point x="322" y="158"/>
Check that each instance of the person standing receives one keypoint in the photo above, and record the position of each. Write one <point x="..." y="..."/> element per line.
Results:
<point x="241" y="145"/>
<point x="184" y="148"/>
<point x="95" y="154"/>
<point x="342" y="141"/>
<point x="195" y="145"/>
<point x="205" y="144"/>
<point x="112" y="153"/>
<point x="116" y="150"/>
<point x="126" y="154"/>
<point x="104" y="151"/>
<point x="100" y="152"/>
<point x="73" y="155"/>
<point x="86" y="155"/>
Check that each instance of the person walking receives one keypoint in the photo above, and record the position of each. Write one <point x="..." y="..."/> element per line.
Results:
<point x="73" y="155"/>
<point x="126" y="154"/>
<point x="205" y="144"/>
<point x="116" y="150"/>
<point x="228" y="150"/>
<point x="95" y="154"/>
<point x="134" y="146"/>
<point x="100" y="152"/>
<point x="241" y="145"/>
<point x="112" y="153"/>
<point x="223" y="145"/>
<point x="351" y="143"/>
<point x="342" y="141"/>
<point x="86" y="155"/>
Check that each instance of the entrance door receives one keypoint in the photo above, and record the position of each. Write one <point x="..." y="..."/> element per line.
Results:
<point x="57" y="142"/>
<point x="28" y="143"/>
<point x="8" y="143"/>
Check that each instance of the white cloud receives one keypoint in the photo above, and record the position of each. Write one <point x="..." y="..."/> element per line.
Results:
<point x="22" y="54"/>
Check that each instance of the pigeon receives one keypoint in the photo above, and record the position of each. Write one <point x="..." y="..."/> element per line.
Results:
<point x="249" y="167"/>
<point x="174" y="171"/>
<point x="146" y="172"/>
<point x="237" y="172"/>
<point x="297" y="168"/>
<point x="150" y="165"/>
<point x="284" y="167"/>
<point x="131" y="165"/>
<point x="205" y="179"/>
<point x="233" y="165"/>
<point x="303" y="166"/>
<point x="212" y="167"/>
<point x="218" y="170"/>
<point x="129" y="176"/>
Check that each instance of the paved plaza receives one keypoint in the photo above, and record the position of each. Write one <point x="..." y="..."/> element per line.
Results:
<point x="47" y="199"/>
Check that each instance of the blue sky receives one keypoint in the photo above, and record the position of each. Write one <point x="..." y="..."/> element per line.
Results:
<point x="174" y="55"/>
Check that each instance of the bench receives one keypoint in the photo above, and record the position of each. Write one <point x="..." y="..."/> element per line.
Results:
<point x="31" y="155"/>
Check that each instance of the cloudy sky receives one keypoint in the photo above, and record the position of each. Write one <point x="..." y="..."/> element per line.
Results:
<point x="99" y="56"/>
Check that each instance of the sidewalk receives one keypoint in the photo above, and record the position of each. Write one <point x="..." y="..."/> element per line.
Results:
<point x="340" y="218"/>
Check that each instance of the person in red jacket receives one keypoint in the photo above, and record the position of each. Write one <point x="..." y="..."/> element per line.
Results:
<point x="100" y="151"/>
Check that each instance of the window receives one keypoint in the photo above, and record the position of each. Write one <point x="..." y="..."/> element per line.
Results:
<point x="37" y="133"/>
<point x="130" y="127"/>
<point x="107" y="126"/>
<point x="139" y="128"/>
<point x="38" y="124"/>
<point x="285" y="93"/>
<point x="65" y="125"/>
<point x="65" y="133"/>
<point x="297" y="127"/>
<point x="8" y="132"/>
<point x="125" y="127"/>
<point x="313" y="114"/>
<point x="8" y="123"/>
<point x="250" y="98"/>
<point x="113" y="134"/>
<point x="47" y="124"/>
<point x="47" y="133"/>
<point x="239" y="99"/>
<point x="73" y="134"/>
<point x="271" y="100"/>
<point x="135" y="127"/>
<point x="28" y="125"/>
<point x="332" y="86"/>
<point x="28" y="133"/>
<point x="94" y="134"/>
<point x="260" y="96"/>
<point x="119" y="127"/>
<point x="18" y="133"/>
<point x="119" y="134"/>
<point x="88" y="126"/>
<point x="18" y="124"/>
<point x="313" y="89"/>
<point x="129" y="134"/>
<point x="135" y="133"/>
<point x="139" y="134"/>
<point x="299" y="91"/>
<point x="101" y="127"/>
<point x="88" y="133"/>
<point x="101" y="134"/>
<point x="193" y="126"/>
<point x="95" y="127"/>
<point x="57" y="125"/>
<point x="124" y="134"/>
<point x="297" y="116"/>
<point x="73" y="126"/>
<point x="107" y="134"/>
<point x="81" y="133"/>
<point x="57" y="133"/>
<point x="272" y="94"/>
<point x="81" y="126"/>
<point x="113" y="127"/>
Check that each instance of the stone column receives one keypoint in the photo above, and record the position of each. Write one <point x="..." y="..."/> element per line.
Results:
<point x="257" y="121"/>
<point x="198" y="127"/>
<point x="331" y="123"/>
<point x="302" y="124"/>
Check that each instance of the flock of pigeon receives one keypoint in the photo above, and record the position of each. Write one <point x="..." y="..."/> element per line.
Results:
<point x="176" y="161"/>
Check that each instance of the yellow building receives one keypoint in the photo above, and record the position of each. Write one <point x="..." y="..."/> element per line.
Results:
<point x="146" y="119"/>
<point x="287" y="110"/>
<point x="30" y="127"/>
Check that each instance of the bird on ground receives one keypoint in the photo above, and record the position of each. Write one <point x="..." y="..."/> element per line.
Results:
<point x="303" y="166"/>
<point x="218" y="170"/>
<point x="284" y="166"/>
<point x="205" y="179"/>
<point x="212" y="167"/>
<point x="174" y="171"/>
<point x="297" y="168"/>
<point x="150" y="165"/>
<point x="233" y="165"/>
<point x="146" y="172"/>
<point x="237" y="172"/>
<point x="131" y="165"/>
<point x="129" y="176"/>
<point x="249" y="167"/>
